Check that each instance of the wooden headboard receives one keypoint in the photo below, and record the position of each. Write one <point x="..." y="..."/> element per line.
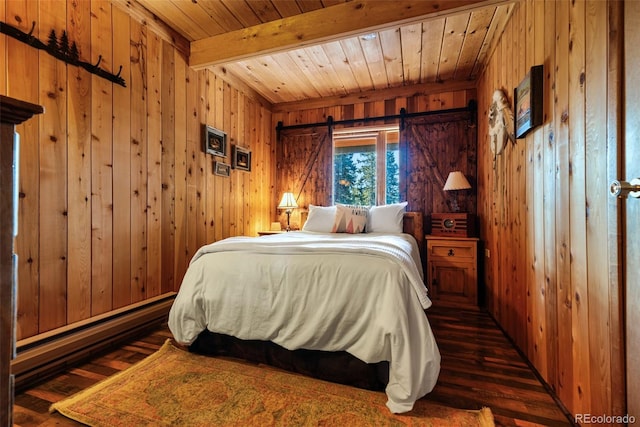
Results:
<point x="413" y="224"/>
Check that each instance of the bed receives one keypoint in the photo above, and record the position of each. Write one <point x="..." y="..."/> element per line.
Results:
<point x="344" y="307"/>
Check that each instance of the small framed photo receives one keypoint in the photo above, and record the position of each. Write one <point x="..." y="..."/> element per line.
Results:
<point x="221" y="169"/>
<point x="241" y="158"/>
<point x="528" y="102"/>
<point x="215" y="141"/>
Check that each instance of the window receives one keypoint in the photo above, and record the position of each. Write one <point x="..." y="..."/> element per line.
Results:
<point x="366" y="166"/>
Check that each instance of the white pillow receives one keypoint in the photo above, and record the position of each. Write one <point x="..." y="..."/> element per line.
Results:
<point x="351" y="219"/>
<point x="386" y="218"/>
<point x="320" y="219"/>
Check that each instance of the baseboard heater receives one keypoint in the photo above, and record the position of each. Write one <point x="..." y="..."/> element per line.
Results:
<point x="49" y="353"/>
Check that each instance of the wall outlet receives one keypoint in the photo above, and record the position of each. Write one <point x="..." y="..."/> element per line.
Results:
<point x="487" y="253"/>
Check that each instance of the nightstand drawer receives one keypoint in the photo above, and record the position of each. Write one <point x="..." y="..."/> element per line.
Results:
<point x="451" y="249"/>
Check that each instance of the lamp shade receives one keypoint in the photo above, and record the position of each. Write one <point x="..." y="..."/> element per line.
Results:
<point x="456" y="181"/>
<point x="288" y="201"/>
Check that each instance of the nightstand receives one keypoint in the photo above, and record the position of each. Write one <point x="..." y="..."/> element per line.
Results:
<point x="452" y="270"/>
<point x="267" y="232"/>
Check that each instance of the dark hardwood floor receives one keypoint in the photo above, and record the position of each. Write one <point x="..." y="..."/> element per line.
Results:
<point x="479" y="368"/>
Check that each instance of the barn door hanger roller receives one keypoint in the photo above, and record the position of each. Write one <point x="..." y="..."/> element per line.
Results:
<point x="624" y="189"/>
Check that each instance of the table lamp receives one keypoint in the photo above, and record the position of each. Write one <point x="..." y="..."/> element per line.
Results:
<point x="288" y="203"/>
<point x="456" y="181"/>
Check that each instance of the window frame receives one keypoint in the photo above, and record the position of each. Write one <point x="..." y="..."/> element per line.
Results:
<point x="381" y="136"/>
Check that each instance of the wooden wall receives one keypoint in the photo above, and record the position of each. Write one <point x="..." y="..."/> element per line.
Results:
<point x="116" y="193"/>
<point x="451" y="148"/>
<point x="552" y="275"/>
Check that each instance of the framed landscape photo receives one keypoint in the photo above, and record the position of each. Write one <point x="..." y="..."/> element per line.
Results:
<point x="221" y="169"/>
<point x="215" y="141"/>
<point x="241" y="158"/>
<point x="528" y="102"/>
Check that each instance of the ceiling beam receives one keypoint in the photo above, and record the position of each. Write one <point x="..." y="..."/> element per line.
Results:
<point x="331" y="23"/>
<point x="374" y="95"/>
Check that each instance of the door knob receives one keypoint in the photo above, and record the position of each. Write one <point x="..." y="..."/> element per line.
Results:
<point x="625" y="189"/>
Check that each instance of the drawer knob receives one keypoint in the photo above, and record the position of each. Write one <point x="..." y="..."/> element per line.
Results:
<point x="450" y="253"/>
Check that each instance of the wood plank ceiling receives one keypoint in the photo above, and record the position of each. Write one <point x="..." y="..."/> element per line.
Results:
<point x="297" y="50"/>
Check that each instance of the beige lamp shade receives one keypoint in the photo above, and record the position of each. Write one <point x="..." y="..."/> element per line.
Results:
<point x="288" y="201"/>
<point x="456" y="181"/>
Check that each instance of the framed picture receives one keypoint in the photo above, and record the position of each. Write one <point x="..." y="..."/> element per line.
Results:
<point x="528" y="102"/>
<point x="222" y="169"/>
<point x="241" y="158"/>
<point x="215" y="141"/>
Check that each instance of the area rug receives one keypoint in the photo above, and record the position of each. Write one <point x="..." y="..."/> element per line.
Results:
<point x="178" y="388"/>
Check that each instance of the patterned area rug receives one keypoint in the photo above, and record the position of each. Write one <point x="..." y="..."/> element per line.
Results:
<point x="175" y="387"/>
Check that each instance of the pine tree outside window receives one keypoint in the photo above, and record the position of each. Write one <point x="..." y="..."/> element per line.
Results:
<point x="366" y="166"/>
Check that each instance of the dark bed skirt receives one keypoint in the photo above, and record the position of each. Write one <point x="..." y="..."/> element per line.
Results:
<point x="339" y="367"/>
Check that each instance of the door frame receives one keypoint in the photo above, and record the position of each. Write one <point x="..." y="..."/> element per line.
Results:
<point x="629" y="209"/>
<point x="615" y="105"/>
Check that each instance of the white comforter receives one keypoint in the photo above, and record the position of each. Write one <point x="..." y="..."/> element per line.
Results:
<point x="359" y="293"/>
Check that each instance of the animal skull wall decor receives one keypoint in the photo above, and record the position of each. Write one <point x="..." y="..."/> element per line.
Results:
<point x="501" y="126"/>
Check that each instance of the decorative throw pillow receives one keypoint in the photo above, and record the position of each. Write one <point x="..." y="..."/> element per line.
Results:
<point x="386" y="218"/>
<point x="320" y="219"/>
<point x="351" y="219"/>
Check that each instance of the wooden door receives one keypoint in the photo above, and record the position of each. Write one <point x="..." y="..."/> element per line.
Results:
<point x="631" y="206"/>
<point x="451" y="282"/>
